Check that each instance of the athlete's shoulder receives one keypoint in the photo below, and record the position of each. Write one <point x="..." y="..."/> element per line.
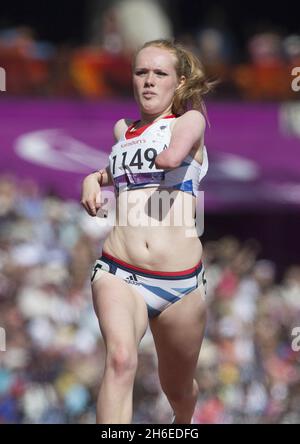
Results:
<point x="120" y="127"/>
<point x="193" y="116"/>
<point x="189" y="121"/>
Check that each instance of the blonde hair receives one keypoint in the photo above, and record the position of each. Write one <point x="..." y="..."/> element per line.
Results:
<point x="189" y="94"/>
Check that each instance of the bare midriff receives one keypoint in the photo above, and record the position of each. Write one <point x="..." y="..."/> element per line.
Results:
<point x="155" y="229"/>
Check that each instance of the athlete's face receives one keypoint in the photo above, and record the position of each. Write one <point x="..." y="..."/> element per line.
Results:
<point x="155" y="80"/>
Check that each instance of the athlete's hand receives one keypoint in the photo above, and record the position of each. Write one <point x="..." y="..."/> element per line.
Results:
<point x="91" y="194"/>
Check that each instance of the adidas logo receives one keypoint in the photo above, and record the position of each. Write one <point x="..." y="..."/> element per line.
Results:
<point x="132" y="280"/>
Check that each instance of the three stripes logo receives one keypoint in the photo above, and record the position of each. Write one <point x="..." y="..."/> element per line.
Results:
<point x="132" y="279"/>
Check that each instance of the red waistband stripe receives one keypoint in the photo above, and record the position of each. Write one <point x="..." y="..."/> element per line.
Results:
<point x="147" y="271"/>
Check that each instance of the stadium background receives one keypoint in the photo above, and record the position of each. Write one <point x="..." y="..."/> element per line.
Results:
<point x="67" y="80"/>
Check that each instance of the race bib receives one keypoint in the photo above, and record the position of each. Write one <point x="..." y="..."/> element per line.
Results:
<point x="134" y="162"/>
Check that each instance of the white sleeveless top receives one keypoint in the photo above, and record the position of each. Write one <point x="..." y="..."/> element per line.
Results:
<point x="132" y="161"/>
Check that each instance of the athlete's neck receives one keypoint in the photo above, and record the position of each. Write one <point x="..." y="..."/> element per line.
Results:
<point x="146" y="119"/>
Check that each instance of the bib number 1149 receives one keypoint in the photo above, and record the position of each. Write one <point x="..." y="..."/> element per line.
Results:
<point x="138" y="159"/>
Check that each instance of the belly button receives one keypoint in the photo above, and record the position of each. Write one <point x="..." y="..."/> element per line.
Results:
<point x="146" y="244"/>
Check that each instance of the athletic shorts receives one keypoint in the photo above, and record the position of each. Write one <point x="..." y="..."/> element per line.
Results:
<point x="158" y="288"/>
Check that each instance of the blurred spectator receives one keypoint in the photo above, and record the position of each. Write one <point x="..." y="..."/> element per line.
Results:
<point x="25" y="59"/>
<point x="140" y="21"/>
<point x="97" y="72"/>
<point x="266" y="77"/>
<point x="216" y="52"/>
<point x="291" y="47"/>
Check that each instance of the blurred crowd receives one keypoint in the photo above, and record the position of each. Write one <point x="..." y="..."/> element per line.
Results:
<point x="54" y="358"/>
<point x="101" y="67"/>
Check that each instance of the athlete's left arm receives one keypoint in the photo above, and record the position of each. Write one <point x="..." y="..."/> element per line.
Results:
<point x="186" y="134"/>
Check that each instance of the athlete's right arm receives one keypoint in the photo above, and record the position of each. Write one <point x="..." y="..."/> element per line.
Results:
<point x="91" y="184"/>
<point x="91" y="190"/>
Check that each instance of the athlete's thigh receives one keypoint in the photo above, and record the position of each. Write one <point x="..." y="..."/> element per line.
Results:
<point x="120" y="309"/>
<point x="178" y="333"/>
